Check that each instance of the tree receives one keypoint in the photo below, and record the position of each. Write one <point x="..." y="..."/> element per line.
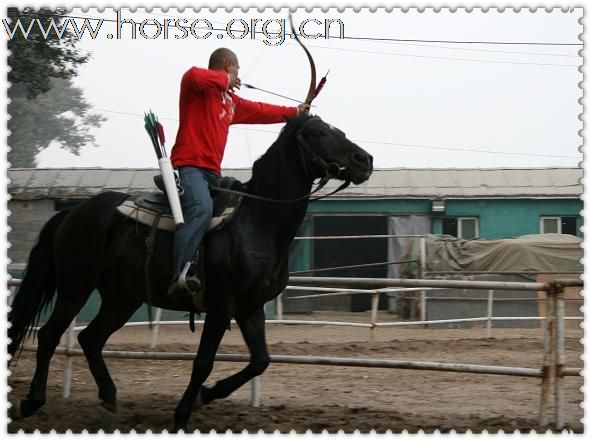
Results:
<point x="35" y="59"/>
<point x="60" y="115"/>
<point x="44" y="105"/>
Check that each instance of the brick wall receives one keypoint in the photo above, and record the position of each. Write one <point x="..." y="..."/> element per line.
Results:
<point x="26" y="220"/>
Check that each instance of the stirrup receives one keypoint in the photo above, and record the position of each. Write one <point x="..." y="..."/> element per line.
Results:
<point x="189" y="281"/>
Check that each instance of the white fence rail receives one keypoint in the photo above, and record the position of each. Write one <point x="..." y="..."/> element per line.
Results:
<point x="552" y="370"/>
<point x="372" y="323"/>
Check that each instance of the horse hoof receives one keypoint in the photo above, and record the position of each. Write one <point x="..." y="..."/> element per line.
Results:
<point x="179" y="428"/>
<point x="198" y="401"/>
<point x="28" y="408"/>
<point x="203" y="397"/>
<point x="105" y="418"/>
<point x="111" y="407"/>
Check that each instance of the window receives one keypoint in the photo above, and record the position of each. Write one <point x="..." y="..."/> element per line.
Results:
<point x="558" y="224"/>
<point x="463" y="227"/>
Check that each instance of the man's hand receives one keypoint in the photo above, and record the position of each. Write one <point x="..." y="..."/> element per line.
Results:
<point x="234" y="83"/>
<point x="303" y="108"/>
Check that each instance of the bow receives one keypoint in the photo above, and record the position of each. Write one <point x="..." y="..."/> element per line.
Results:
<point x="314" y="89"/>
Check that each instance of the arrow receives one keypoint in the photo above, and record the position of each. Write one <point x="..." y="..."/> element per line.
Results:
<point x="250" y="86"/>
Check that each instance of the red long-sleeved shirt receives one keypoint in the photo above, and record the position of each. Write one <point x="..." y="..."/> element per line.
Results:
<point x="207" y="109"/>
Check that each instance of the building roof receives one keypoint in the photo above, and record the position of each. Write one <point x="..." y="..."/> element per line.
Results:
<point x="396" y="183"/>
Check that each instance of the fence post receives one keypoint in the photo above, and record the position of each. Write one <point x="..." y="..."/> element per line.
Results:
<point x="156" y="328"/>
<point x="559" y="360"/>
<point x="255" y="391"/>
<point x="547" y="365"/>
<point x="279" y="304"/>
<point x="422" y="257"/>
<point x="422" y="275"/>
<point x="489" y="313"/>
<point x="423" y="308"/>
<point x="68" y="363"/>
<point x="375" y="302"/>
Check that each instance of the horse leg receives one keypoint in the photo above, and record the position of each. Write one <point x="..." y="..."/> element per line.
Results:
<point x="253" y="331"/>
<point x="114" y="312"/>
<point x="213" y="330"/>
<point x="48" y="337"/>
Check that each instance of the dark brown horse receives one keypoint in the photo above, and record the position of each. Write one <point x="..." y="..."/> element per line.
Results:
<point x="94" y="247"/>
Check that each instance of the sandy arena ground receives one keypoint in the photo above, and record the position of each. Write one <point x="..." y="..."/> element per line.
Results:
<point x="315" y="398"/>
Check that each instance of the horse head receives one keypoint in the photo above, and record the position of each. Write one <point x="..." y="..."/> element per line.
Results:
<point x="329" y="152"/>
<point x="334" y="155"/>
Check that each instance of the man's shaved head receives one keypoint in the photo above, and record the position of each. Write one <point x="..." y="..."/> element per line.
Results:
<point x="220" y="57"/>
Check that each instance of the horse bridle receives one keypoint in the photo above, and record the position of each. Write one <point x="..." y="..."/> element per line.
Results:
<point x="332" y="169"/>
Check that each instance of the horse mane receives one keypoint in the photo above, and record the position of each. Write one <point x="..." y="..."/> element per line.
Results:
<point x="274" y="163"/>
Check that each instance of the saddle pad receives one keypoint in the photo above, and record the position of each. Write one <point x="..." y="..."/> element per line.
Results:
<point x="144" y="216"/>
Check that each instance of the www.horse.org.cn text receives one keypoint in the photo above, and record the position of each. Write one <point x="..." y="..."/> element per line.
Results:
<point x="271" y="31"/>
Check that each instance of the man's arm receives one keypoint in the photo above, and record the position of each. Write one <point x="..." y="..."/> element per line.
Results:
<point x="252" y="112"/>
<point x="206" y="79"/>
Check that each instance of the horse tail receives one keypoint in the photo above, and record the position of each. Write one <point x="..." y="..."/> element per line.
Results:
<point x="37" y="288"/>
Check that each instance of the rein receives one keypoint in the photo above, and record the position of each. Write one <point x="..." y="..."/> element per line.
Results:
<point x="332" y="171"/>
<point x="321" y="184"/>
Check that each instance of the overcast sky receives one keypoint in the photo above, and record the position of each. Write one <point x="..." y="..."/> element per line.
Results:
<point x="410" y="104"/>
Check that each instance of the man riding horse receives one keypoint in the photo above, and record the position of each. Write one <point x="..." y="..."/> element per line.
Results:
<point x="208" y="105"/>
<point x="94" y="246"/>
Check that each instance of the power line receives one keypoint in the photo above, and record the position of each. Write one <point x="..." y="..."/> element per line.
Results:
<point x="470" y="150"/>
<point x="473" y="49"/>
<point x="402" y="41"/>
<point x="474" y="60"/>
<point x="117" y="112"/>
<point x="408" y="40"/>
<point x="533" y="43"/>
<point x="405" y="42"/>
<point x="442" y="47"/>
<point x="459" y="149"/>
<point x="383" y="39"/>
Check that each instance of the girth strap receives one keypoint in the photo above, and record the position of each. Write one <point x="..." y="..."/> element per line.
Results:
<point x="150" y="240"/>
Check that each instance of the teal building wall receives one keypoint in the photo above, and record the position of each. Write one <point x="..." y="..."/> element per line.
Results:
<point x="498" y="218"/>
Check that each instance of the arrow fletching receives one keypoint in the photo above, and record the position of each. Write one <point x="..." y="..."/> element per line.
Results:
<point x="160" y="133"/>
<point x="155" y="132"/>
<point x="320" y="84"/>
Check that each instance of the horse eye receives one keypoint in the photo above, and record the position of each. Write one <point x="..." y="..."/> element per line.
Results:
<point x="319" y="132"/>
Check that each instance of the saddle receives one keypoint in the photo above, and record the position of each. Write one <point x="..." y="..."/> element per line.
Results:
<point x="153" y="209"/>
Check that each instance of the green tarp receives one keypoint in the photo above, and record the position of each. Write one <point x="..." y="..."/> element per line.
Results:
<point x="535" y="252"/>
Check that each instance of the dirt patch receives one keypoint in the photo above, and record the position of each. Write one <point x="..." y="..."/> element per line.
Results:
<point x="300" y="398"/>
